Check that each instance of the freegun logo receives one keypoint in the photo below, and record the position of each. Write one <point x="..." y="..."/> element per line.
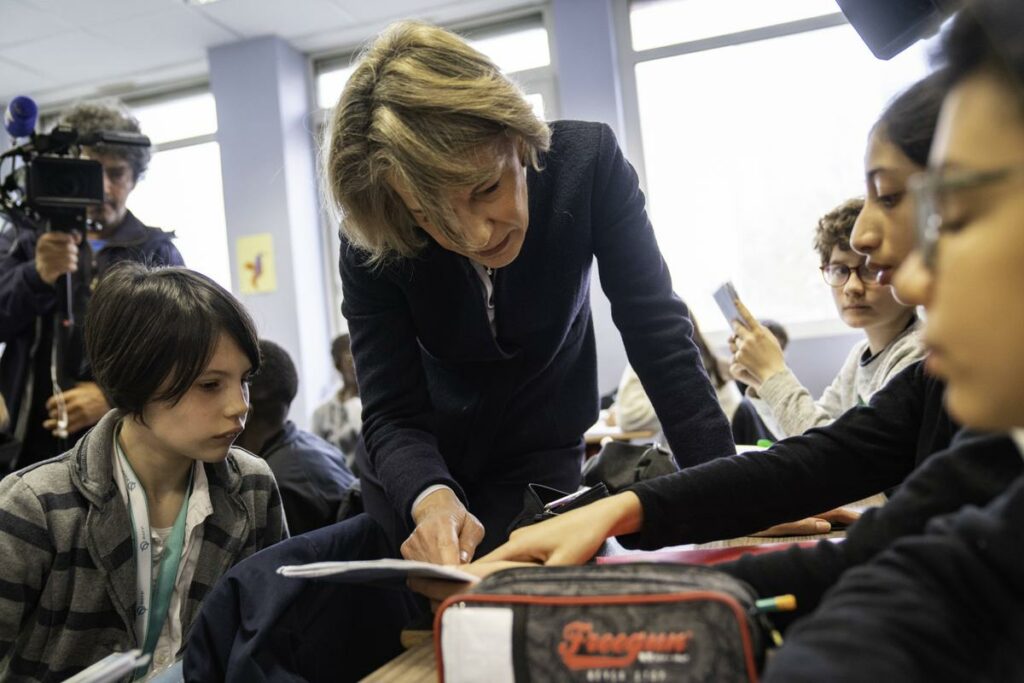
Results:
<point x="584" y="648"/>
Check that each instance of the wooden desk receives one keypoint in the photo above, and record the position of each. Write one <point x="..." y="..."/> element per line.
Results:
<point x="415" y="665"/>
<point x="418" y="664"/>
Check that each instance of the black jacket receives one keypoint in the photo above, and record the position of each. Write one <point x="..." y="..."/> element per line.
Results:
<point x="311" y="474"/>
<point x="868" y="449"/>
<point x="445" y="402"/>
<point x="943" y="605"/>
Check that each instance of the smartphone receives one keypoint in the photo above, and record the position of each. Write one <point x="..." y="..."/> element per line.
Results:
<point x="726" y="298"/>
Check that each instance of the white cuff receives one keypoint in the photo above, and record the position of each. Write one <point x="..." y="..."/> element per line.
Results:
<point x="426" y="492"/>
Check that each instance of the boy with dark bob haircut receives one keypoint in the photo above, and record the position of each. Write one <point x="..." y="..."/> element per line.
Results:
<point x="113" y="545"/>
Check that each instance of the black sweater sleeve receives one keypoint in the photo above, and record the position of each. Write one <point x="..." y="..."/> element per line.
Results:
<point x="944" y="605"/>
<point x="868" y="449"/>
<point x="654" y="323"/>
<point x="974" y="471"/>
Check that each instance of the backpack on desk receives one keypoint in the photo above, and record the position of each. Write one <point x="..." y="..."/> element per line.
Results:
<point x="623" y="622"/>
<point x="620" y="465"/>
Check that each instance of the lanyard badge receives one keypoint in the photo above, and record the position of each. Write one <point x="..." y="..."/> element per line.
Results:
<point x="152" y="600"/>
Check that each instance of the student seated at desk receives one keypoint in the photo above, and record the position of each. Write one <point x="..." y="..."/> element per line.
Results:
<point x="946" y="605"/>
<point x="316" y="487"/>
<point x="633" y="410"/>
<point x="339" y="419"/>
<point x="112" y="545"/>
<point x="891" y="328"/>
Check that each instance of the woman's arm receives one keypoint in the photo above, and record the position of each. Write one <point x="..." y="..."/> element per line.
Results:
<point x="654" y="323"/>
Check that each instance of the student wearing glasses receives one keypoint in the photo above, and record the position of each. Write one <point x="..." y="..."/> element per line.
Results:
<point x="946" y="605"/>
<point x="891" y="329"/>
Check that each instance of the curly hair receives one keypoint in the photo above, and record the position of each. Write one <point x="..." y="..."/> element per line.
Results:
<point x="418" y="109"/>
<point x="112" y="116"/>
<point x="835" y="227"/>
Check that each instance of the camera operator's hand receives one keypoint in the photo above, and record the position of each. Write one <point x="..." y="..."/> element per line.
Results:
<point x="56" y="254"/>
<point x="85" y="403"/>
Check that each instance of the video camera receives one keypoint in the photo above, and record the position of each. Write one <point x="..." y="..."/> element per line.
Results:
<point x="53" y="186"/>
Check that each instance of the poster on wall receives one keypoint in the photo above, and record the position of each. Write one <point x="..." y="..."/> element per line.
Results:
<point x="255" y="258"/>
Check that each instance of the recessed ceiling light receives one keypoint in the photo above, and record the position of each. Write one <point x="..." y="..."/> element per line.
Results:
<point x="200" y="2"/>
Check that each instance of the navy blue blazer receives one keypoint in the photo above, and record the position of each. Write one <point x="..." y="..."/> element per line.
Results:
<point x="445" y="401"/>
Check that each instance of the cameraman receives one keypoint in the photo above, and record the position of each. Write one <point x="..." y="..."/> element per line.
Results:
<point x="31" y="266"/>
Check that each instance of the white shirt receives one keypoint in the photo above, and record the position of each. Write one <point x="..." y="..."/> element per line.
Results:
<point x="199" y="508"/>
<point x="1018" y="438"/>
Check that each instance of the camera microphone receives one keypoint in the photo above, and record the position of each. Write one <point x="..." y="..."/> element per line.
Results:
<point x="20" y="117"/>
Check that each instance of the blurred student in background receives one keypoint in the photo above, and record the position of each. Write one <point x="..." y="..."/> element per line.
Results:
<point x="891" y="328"/>
<point x="315" y="485"/>
<point x="339" y="419"/>
<point x="113" y="545"/>
<point x="633" y="410"/>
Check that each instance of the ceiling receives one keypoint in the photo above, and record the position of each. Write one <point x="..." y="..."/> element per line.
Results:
<point x="59" y="50"/>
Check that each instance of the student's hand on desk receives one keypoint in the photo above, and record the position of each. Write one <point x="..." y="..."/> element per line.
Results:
<point x="445" y="533"/>
<point x="85" y="403"/>
<point x="439" y="591"/>
<point x="756" y="353"/>
<point x="573" y="537"/>
<point x="821" y="524"/>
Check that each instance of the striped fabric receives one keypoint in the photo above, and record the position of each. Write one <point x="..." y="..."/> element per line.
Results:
<point x="67" y="572"/>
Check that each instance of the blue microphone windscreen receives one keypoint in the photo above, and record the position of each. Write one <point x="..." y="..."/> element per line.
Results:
<point x="20" y="116"/>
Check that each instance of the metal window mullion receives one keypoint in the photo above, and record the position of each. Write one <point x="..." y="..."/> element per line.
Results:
<point x="739" y="38"/>
<point x="184" y="142"/>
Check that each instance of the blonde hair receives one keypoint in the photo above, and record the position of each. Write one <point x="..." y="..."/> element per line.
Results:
<point x="419" y="109"/>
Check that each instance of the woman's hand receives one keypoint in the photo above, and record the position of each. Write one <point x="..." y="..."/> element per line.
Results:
<point x="445" y="533"/>
<point x="573" y="537"/>
<point x="756" y="353"/>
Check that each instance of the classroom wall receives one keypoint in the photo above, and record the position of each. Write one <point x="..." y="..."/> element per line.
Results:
<point x="262" y="89"/>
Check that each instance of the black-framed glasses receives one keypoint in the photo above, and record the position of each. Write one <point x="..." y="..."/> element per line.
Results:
<point x="932" y="192"/>
<point x="838" y="274"/>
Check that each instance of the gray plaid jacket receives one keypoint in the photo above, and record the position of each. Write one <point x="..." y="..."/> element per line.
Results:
<point x="67" y="571"/>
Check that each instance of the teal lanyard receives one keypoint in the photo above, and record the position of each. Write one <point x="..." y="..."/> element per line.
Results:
<point x="153" y="601"/>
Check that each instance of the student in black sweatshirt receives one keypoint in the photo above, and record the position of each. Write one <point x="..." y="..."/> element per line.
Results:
<point x="946" y="605"/>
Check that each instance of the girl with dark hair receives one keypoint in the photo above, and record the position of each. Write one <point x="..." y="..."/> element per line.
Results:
<point x="946" y="605"/>
<point x="112" y="545"/>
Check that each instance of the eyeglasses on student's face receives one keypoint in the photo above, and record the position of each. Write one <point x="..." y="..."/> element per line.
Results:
<point x="838" y="274"/>
<point x="935" y="194"/>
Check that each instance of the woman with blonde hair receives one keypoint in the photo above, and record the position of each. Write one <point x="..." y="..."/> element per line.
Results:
<point x="469" y="231"/>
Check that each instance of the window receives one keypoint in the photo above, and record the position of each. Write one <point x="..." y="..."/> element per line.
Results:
<point x="182" y="190"/>
<point x="655" y="23"/>
<point x="746" y="145"/>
